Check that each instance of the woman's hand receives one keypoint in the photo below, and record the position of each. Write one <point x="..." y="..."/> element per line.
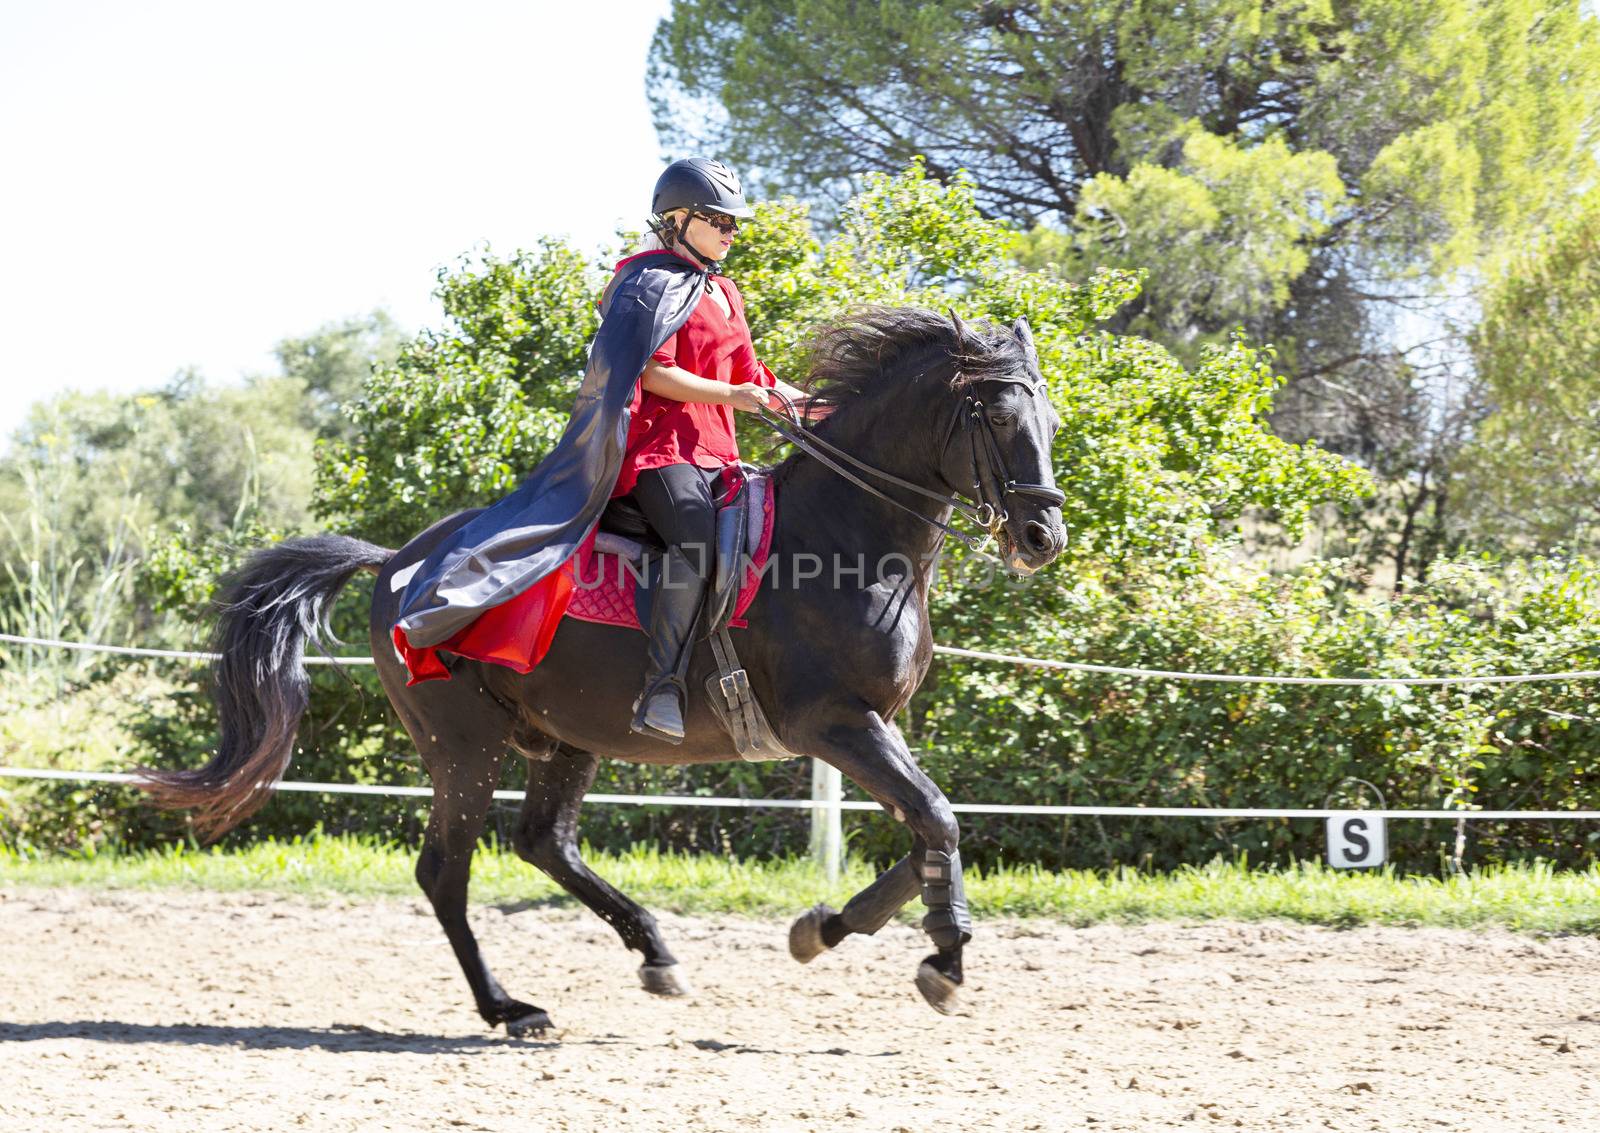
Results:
<point x="748" y="397"/>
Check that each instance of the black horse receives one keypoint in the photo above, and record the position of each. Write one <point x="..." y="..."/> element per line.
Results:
<point x="920" y="397"/>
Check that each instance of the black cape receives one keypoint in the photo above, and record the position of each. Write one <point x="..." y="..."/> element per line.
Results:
<point x="514" y="543"/>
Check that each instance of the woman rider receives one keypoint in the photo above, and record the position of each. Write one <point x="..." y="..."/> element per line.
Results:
<point x="494" y="588"/>
<point x="681" y="433"/>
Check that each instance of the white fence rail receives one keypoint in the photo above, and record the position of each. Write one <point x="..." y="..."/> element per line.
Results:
<point x="949" y="650"/>
<point x="855" y="804"/>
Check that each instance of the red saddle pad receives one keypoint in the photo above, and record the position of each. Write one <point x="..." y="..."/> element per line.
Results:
<point x="593" y="586"/>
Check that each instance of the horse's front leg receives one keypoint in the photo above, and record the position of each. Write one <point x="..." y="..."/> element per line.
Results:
<point x="874" y="755"/>
<point x="822" y="927"/>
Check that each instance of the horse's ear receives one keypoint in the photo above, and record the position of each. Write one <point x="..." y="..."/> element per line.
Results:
<point x="1024" y="335"/>
<point x="961" y="327"/>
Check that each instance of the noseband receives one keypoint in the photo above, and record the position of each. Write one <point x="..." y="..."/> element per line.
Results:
<point x="969" y="414"/>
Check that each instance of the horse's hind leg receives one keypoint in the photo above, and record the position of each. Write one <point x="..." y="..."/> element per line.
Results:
<point x="463" y="743"/>
<point x="547" y="836"/>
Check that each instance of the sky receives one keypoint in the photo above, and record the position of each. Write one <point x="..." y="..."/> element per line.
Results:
<point x="185" y="184"/>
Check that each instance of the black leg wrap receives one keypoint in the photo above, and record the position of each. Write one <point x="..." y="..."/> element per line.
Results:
<point x="947" y="922"/>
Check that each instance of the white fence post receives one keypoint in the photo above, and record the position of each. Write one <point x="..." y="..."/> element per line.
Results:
<point x="827" y="833"/>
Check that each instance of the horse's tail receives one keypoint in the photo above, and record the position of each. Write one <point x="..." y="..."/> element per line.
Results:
<point x="277" y="600"/>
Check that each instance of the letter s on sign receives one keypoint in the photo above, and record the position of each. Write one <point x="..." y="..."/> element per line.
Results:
<point x="1356" y="840"/>
<point x="1356" y="846"/>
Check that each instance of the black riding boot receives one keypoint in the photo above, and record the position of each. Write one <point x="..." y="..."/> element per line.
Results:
<point x="658" y="709"/>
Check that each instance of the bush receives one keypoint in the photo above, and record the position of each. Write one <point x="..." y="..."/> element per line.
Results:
<point x="85" y="723"/>
<point x="999" y="734"/>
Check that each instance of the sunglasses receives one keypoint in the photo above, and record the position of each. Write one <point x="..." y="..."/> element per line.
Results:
<point x="726" y="225"/>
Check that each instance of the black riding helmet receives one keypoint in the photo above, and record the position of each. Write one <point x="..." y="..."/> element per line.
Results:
<point x="702" y="184"/>
<point x="698" y="184"/>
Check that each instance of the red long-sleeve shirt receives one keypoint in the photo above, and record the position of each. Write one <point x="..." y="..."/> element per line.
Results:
<point x="664" y="431"/>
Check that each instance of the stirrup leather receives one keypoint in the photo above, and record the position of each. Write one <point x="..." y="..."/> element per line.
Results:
<point x="734" y="702"/>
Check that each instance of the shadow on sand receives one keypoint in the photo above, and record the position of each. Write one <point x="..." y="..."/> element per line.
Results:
<point x="345" y="1038"/>
<point x="338" y="1038"/>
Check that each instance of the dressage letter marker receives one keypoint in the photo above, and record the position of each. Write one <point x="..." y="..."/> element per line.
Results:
<point x="1356" y="840"/>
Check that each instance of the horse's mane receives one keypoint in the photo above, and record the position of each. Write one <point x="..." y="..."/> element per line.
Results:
<point x="849" y="356"/>
<point x="868" y="350"/>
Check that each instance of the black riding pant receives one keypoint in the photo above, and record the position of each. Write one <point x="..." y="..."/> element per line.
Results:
<point x="679" y="502"/>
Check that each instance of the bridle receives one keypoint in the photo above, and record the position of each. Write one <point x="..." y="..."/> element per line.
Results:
<point x="971" y="414"/>
<point x="989" y="513"/>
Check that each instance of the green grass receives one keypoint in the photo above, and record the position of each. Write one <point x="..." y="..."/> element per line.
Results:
<point x="1527" y="897"/>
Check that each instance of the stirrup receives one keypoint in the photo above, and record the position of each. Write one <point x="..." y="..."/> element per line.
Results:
<point x="668" y="687"/>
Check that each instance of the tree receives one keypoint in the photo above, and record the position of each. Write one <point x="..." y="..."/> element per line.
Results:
<point x="95" y="484"/>
<point x="188" y="453"/>
<point x="332" y="363"/>
<point x="1532" y="474"/>
<point x="107" y="499"/>
<point x="463" y="412"/>
<point x="1293" y="168"/>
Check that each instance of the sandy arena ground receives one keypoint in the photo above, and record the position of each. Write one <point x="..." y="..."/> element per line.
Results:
<point x="224" y="1012"/>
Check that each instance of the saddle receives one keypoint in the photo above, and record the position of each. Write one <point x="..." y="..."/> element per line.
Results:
<point x="623" y="531"/>
<point x="744" y="516"/>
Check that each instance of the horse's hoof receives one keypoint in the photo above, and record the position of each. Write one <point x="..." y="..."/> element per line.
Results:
<point x="535" y="1022"/>
<point x="664" y="979"/>
<point x="942" y="993"/>
<point x="805" y="935"/>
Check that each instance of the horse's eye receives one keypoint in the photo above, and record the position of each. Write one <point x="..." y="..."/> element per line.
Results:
<point x="1001" y="420"/>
